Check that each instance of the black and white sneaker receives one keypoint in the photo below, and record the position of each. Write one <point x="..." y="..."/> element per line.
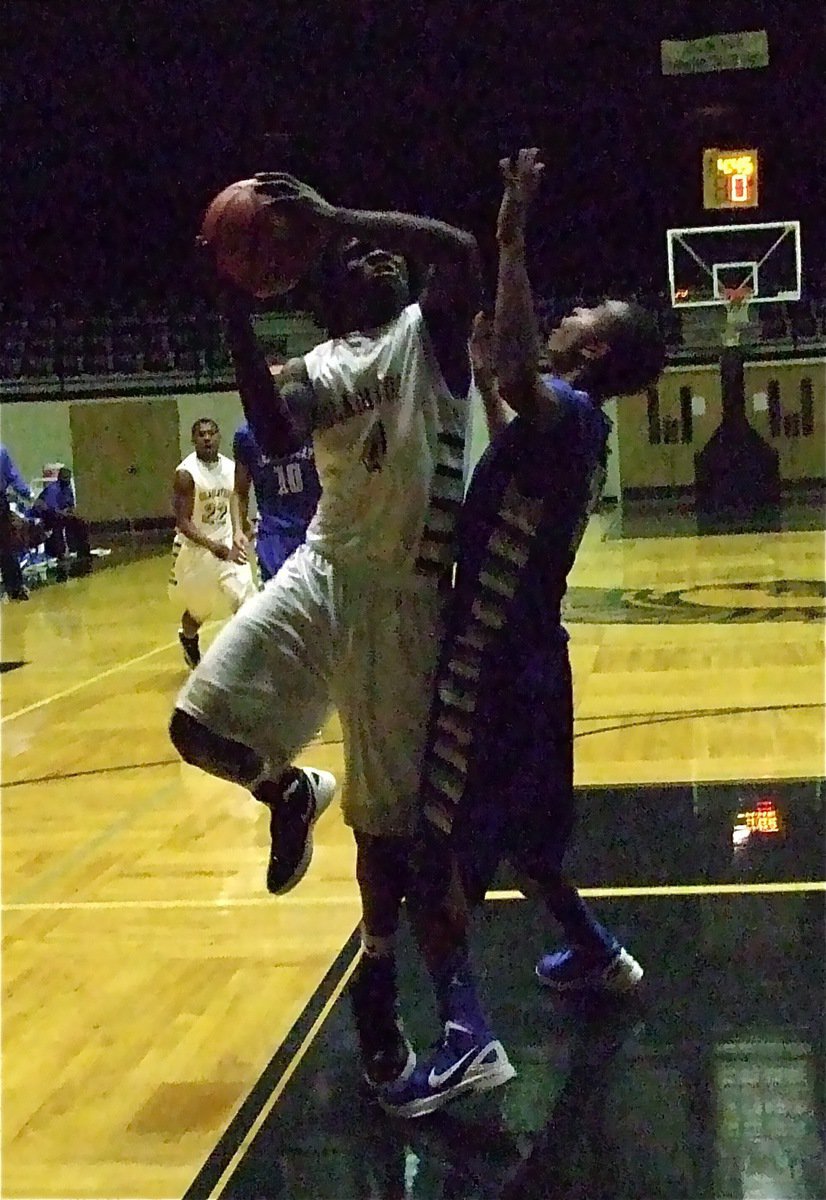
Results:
<point x="386" y="1053"/>
<point x="304" y="797"/>
<point x="191" y="649"/>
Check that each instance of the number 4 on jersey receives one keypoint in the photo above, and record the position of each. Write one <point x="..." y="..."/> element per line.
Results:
<point x="375" y="447"/>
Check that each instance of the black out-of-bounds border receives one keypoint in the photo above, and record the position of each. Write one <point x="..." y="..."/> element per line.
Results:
<point x="233" y="1137"/>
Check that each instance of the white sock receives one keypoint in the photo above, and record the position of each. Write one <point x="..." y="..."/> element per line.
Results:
<point x="265" y="775"/>
<point x="377" y="947"/>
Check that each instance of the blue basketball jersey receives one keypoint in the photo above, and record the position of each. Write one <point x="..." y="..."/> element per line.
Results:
<point x="524" y="516"/>
<point x="286" y="489"/>
<point x="520" y="527"/>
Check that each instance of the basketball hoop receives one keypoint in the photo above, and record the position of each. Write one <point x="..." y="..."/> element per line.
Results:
<point x="736" y="300"/>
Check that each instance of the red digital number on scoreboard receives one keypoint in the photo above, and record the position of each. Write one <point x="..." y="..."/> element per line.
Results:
<point x="730" y="178"/>
<point x="763" y="818"/>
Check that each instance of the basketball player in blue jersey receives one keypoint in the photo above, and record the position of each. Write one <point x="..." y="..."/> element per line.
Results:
<point x="354" y="617"/>
<point x="286" y="495"/>
<point x="497" y="780"/>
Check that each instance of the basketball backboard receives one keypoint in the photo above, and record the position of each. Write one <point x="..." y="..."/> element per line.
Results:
<point x="705" y="261"/>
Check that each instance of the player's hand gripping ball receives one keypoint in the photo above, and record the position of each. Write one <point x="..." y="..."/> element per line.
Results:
<point x="258" y="244"/>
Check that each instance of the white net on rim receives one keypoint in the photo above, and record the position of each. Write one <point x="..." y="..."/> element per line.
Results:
<point x="737" y="314"/>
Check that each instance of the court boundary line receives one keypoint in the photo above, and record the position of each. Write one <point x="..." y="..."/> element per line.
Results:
<point x="231" y="1148"/>
<point x="76" y="687"/>
<point x="640" y="891"/>
<point x="670" y="890"/>
<point x="630" y="721"/>
<point x="91" y="773"/>
<point x="89" y="846"/>
<point x="690" y="714"/>
<point x="136" y="766"/>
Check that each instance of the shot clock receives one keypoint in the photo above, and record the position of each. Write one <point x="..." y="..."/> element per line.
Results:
<point x="730" y="178"/>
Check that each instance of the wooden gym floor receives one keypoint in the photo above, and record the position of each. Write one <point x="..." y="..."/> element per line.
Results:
<point x="169" y="1029"/>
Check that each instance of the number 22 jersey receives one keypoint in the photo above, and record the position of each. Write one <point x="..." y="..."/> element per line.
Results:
<point x="214" y="484"/>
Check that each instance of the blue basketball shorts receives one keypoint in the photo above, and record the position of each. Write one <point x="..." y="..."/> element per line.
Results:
<point x="273" y="550"/>
<point x="518" y="804"/>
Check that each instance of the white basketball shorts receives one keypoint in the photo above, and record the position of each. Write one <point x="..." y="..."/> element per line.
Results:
<point x="320" y="637"/>
<point x="207" y="586"/>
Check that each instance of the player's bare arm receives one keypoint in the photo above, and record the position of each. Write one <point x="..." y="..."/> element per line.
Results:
<point x="279" y="411"/>
<point x="240" y="544"/>
<point x="449" y="255"/>
<point x="183" y="506"/>
<point x="497" y="414"/>
<point x="277" y="428"/>
<point x="515" y="328"/>
<point x="241" y="495"/>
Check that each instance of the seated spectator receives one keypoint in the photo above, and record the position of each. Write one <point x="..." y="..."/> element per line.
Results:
<point x="67" y="533"/>
<point x="11" y="542"/>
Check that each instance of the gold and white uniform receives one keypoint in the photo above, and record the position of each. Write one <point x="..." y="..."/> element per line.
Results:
<point x="353" y="618"/>
<point x="200" y="583"/>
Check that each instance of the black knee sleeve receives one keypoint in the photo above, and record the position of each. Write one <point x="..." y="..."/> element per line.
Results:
<point x="217" y="755"/>
<point x="431" y="869"/>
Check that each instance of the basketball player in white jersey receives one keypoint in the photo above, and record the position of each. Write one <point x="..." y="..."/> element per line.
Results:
<point x="211" y="575"/>
<point x="353" y="618"/>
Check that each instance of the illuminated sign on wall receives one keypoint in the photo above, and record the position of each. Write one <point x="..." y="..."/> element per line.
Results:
<point x="730" y="178"/>
<point x="763" y="820"/>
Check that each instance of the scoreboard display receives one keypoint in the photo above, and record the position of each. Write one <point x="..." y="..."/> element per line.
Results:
<point x="730" y="178"/>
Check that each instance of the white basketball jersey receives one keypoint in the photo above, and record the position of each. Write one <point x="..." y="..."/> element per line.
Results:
<point x="214" y="484"/>
<point x="389" y="443"/>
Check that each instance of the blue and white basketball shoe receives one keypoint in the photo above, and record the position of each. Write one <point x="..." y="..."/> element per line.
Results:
<point x="466" y="1060"/>
<point x="575" y="969"/>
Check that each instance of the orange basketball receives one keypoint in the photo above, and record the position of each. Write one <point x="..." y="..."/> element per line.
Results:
<point x="263" y="248"/>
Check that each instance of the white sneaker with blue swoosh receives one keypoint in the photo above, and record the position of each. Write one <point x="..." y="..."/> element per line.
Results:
<point x="464" y="1061"/>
